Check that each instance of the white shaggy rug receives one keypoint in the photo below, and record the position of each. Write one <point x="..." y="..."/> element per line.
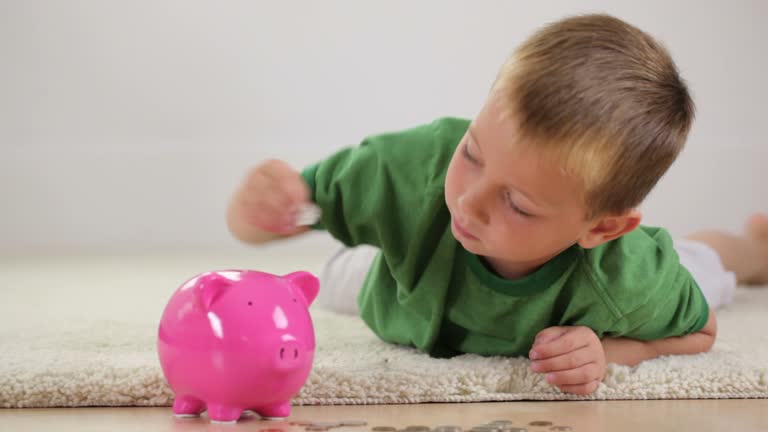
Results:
<point x="72" y="360"/>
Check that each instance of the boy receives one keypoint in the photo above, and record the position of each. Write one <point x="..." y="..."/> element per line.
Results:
<point x="517" y="233"/>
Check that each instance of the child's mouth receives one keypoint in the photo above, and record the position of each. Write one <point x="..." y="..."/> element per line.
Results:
<point x="460" y="231"/>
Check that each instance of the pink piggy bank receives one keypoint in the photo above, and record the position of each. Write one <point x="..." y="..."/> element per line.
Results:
<point x="234" y="340"/>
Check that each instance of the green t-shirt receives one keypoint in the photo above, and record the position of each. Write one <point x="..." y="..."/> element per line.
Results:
<point x="425" y="290"/>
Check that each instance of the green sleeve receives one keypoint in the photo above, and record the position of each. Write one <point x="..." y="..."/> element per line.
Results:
<point x="371" y="193"/>
<point x="678" y="314"/>
<point x="652" y="294"/>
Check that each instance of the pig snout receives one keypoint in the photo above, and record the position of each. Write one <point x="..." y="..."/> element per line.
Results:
<point x="290" y="355"/>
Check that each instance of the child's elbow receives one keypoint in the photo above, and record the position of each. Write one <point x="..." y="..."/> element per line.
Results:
<point x="709" y="332"/>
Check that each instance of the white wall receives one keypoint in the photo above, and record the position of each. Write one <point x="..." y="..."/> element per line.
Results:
<point x="126" y="125"/>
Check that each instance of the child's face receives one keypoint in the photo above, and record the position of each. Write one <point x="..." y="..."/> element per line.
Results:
<point x="507" y="204"/>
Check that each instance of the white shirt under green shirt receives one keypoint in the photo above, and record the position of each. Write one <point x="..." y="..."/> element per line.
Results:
<point x="425" y="290"/>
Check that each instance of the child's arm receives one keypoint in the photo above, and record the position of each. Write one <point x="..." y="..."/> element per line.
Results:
<point x="574" y="358"/>
<point x="265" y="206"/>
<point x="631" y="352"/>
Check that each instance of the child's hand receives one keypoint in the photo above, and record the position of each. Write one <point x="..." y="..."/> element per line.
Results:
<point x="270" y="197"/>
<point x="572" y="357"/>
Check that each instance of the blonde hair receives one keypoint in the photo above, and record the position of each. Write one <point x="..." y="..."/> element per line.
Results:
<point x="606" y="100"/>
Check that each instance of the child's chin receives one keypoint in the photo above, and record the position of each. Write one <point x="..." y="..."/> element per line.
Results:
<point x="472" y="247"/>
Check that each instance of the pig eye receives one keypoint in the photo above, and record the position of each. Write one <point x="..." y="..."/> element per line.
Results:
<point x="250" y="303"/>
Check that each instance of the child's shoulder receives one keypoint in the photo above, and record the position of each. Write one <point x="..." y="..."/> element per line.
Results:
<point x="643" y="244"/>
<point x="635" y="269"/>
<point x="450" y="128"/>
<point x="442" y="131"/>
<point x="646" y="250"/>
<point x="422" y="152"/>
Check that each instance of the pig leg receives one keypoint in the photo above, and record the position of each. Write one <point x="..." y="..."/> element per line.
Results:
<point x="220" y="413"/>
<point x="275" y="412"/>
<point x="187" y="406"/>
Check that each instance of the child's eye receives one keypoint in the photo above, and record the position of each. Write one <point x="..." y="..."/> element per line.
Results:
<point x="465" y="152"/>
<point x="515" y="208"/>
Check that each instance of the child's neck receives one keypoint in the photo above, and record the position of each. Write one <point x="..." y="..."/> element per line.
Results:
<point x="513" y="270"/>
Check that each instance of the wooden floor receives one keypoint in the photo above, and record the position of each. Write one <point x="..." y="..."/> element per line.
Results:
<point x="621" y="416"/>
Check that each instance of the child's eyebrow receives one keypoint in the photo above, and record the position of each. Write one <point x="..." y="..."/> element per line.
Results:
<point x="473" y="138"/>
<point x="527" y="195"/>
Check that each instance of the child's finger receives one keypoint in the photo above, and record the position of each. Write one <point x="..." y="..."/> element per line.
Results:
<point x="581" y="375"/>
<point x="282" y="173"/>
<point x="564" y="344"/>
<point x="571" y="360"/>
<point x="269" y="212"/>
<point x="581" y="389"/>
<point x="297" y="191"/>
<point x="549" y="334"/>
<point x="268" y="195"/>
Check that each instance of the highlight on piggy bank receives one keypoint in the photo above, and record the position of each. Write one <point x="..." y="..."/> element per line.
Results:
<point x="236" y="340"/>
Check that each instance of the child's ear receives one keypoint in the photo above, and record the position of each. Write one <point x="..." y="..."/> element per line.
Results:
<point x="607" y="228"/>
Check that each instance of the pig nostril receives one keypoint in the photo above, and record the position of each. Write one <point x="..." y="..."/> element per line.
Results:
<point x="282" y="351"/>
<point x="295" y="353"/>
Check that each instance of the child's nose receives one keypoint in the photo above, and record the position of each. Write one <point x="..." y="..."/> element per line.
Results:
<point x="470" y="205"/>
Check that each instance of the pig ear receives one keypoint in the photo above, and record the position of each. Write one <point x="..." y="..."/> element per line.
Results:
<point x="307" y="284"/>
<point x="210" y="287"/>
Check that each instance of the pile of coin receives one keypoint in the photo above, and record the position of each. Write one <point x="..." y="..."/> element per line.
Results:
<point x="507" y="426"/>
<point x="498" y="426"/>
<point x="494" y="426"/>
<point x="325" y="426"/>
